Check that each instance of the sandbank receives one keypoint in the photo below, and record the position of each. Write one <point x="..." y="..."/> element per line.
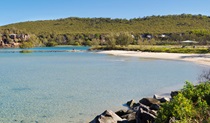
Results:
<point x="203" y="59"/>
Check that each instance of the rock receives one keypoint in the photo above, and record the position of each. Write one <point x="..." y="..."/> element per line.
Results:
<point x="121" y="113"/>
<point x="156" y="96"/>
<point x="130" y="118"/>
<point x="153" y="112"/>
<point x="136" y="108"/>
<point x="144" y="107"/>
<point x="154" y="107"/>
<point x="129" y="111"/>
<point x="131" y="104"/>
<point x="164" y="99"/>
<point x="161" y="99"/>
<point x="149" y="101"/>
<point x="174" y="93"/>
<point x="107" y="116"/>
<point x="144" y="116"/>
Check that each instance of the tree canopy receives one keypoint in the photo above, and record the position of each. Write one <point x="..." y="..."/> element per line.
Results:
<point x="88" y="31"/>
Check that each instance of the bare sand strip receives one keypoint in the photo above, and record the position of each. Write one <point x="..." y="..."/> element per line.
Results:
<point x="203" y="59"/>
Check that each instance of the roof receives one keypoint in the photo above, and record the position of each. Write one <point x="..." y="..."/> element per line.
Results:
<point x="189" y="41"/>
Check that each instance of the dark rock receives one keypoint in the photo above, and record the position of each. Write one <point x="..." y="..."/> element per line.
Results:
<point x="156" y="97"/>
<point x="107" y="116"/>
<point x="129" y="111"/>
<point x="164" y="99"/>
<point x="144" y="107"/>
<point x="149" y="101"/>
<point x="130" y="117"/>
<point x="174" y="93"/>
<point x="136" y="108"/>
<point x="153" y="112"/>
<point x="161" y="99"/>
<point x="154" y="107"/>
<point x="130" y="103"/>
<point x="135" y="105"/>
<point x="121" y="112"/>
<point x="144" y="116"/>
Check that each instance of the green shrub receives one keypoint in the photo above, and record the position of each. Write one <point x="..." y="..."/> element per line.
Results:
<point x="26" y="51"/>
<point x="195" y="92"/>
<point x="26" y="44"/>
<point x="180" y="107"/>
<point x="51" y="44"/>
<point x="190" y="105"/>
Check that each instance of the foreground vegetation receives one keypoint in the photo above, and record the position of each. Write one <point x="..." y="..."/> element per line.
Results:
<point x="153" y="30"/>
<point x="191" y="105"/>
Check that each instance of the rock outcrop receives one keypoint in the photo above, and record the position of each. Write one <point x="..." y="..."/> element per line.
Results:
<point x="107" y="116"/>
<point x="145" y="111"/>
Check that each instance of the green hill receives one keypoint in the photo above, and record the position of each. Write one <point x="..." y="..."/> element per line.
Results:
<point x="69" y="30"/>
<point x="152" y="24"/>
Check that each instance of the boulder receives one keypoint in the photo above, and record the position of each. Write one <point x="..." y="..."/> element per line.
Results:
<point x="149" y="101"/>
<point x="131" y="104"/>
<point x="144" y="116"/>
<point x="154" y="107"/>
<point x="107" y="116"/>
<point x="121" y="113"/>
<point x="174" y="93"/>
<point x="130" y="118"/>
<point x="156" y="96"/>
<point x="162" y="99"/>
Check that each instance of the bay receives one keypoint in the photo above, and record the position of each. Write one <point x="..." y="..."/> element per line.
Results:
<point x="76" y="85"/>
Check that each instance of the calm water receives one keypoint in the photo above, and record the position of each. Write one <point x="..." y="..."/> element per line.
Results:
<point x="63" y="87"/>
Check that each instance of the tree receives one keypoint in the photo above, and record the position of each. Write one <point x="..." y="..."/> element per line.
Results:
<point x="124" y="39"/>
<point x="26" y="45"/>
<point x="110" y="40"/>
<point x="205" y="76"/>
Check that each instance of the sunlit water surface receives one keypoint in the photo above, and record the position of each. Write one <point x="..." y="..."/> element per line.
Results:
<point x="64" y="87"/>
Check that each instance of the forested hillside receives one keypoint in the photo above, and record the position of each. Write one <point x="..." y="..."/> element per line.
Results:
<point x="90" y="31"/>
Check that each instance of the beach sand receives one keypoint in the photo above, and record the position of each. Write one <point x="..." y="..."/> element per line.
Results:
<point x="203" y="59"/>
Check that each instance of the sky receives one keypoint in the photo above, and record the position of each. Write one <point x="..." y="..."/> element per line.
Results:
<point x="14" y="11"/>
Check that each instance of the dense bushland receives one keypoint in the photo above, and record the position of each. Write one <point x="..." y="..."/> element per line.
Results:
<point x="153" y="30"/>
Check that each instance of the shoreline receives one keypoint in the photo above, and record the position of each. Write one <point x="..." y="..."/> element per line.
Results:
<point x="202" y="59"/>
<point x="143" y="110"/>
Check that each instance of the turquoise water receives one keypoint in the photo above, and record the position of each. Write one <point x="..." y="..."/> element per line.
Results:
<point x="63" y="87"/>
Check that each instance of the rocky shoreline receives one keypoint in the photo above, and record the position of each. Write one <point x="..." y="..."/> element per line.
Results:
<point x="144" y="111"/>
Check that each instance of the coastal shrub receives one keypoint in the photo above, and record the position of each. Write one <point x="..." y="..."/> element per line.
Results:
<point x="51" y="44"/>
<point x="200" y="95"/>
<point x="26" y="51"/>
<point x="180" y="107"/>
<point x="192" y="104"/>
<point x="201" y="91"/>
<point x="26" y="44"/>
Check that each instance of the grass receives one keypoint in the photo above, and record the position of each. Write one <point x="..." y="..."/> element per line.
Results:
<point x="26" y="51"/>
<point x="159" y="48"/>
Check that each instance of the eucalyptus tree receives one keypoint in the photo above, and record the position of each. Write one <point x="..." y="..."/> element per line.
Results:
<point x="124" y="39"/>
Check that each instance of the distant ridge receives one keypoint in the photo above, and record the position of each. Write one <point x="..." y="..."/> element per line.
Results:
<point x="150" y="24"/>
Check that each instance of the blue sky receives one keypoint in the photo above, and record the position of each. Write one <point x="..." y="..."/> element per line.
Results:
<point x="13" y="11"/>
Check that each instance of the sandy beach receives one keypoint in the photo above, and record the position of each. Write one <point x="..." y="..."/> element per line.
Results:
<point x="203" y="59"/>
